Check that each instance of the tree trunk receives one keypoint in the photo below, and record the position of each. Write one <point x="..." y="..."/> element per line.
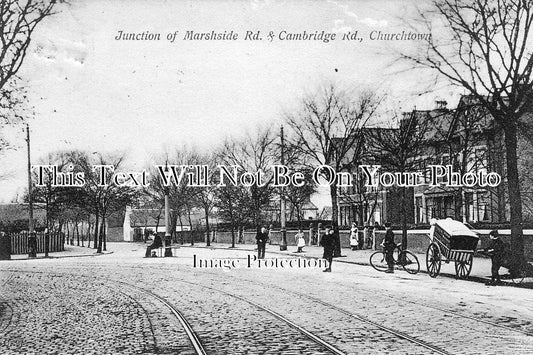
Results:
<point x="515" y="199"/>
<point x="77" y="233"/>
<point x="104" y="235"/>
<point x="190" y="223"/>
<point x="96" y="227"/>
<point x="404" y="217"/>
<point x="334" y="218"/>
<point x="89" y="227"/>
<point x="181" y="230"/>
<point x="82" y="235"/>
<point x="173" y="224"/>
<point x="101" y="227"/>
<point x="207" y="227"/>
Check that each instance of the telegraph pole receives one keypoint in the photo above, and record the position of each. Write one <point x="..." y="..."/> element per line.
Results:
<point x="168" y="238"/>
<point x="32" y="239"/>
<point x="283" y="245"/>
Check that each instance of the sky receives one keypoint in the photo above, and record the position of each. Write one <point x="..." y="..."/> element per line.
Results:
<point x="92" y="92"/>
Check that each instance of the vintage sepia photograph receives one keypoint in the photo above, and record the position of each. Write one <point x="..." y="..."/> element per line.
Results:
<point x="266" y="177"/>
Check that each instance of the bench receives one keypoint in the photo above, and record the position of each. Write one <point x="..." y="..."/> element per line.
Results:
<point x="161" y="250"/>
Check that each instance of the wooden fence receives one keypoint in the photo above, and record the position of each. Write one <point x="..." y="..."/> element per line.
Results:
<point x="19" y="242"/>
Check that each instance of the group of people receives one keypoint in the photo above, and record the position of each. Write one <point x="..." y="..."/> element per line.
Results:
<point x="495" y="250"/>
<point x="327" y="241"/>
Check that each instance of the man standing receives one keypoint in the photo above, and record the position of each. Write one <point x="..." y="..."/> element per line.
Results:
<point x="496" y="250"/>
<point x="388" y="246"/>
<point x="261" y="238"/>
<point x="328" y="243"/>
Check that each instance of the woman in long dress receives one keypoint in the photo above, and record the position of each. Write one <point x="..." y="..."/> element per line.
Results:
<point x="300" y="240"/>
<point x="353" y="237"/>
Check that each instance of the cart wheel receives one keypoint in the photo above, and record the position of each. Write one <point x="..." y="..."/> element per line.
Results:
<point x="463" y="268"/>
<point x="433" y="260"/>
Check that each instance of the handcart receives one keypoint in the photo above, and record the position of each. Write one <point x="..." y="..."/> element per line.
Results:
<point x="451" y="241"/>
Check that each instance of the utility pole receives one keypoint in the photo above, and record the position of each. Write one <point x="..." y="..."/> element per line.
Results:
<point x="168" y="238"/>
<point x="283" y="245"/>
<point x="32" y="239"/>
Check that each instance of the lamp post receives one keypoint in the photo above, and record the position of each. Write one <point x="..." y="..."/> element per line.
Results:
<point x="283" y="245"/>
<point x="32" y="239"/>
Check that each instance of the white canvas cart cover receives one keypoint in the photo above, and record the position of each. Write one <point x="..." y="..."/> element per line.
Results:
<point x="452" y="228"/>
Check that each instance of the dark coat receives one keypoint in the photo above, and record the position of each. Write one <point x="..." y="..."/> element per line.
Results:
<point x="389" y="240"/>
<point x="157" y="243"/>
<point x="496" y="250"/>
<point x="261" y="237"/>
<point x="328" y="243"/>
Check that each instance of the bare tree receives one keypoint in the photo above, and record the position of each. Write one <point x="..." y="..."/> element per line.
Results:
<point x="205" y="195"/>
<point x="18" y="20"/>
<point x="234" y="205"/>
<point x="102" y="198"/>
<point x="326" y="128"/>
<point x="251" y="154"/>
<point x="402" y="151"/>
<point x="485" y="47"/>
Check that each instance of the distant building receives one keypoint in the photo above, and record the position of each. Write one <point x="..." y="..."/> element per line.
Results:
<point x="469" y="140"/>
<point x="363" y="204"/>
<point x="134" y="221"/>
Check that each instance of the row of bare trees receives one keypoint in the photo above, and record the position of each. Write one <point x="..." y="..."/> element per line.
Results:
<point x="91" y="202"/>
<point x="481" y="46"/>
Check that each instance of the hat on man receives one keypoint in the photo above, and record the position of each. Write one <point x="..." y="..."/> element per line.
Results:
<point x="494" y="233"/>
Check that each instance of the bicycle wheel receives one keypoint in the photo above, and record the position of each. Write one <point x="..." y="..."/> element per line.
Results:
<point x="378" y="262"/>
<point x="409" y="262"/>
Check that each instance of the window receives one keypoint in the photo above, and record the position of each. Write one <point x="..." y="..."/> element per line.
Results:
<point x="483" y="206"/>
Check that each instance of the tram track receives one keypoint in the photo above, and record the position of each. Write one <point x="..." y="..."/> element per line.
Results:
<point x="192" y="335"/>
<point x="403" y="300"/>
<point x="310" y="335"/>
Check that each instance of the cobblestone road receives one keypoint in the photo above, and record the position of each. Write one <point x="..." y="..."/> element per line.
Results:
<point x="103" y="305"/>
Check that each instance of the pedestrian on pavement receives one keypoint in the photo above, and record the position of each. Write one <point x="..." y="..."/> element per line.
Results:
<point x="388" y="246"/>
<point x="328" y="243"/>
<point x="300" y="240"/>
<point x="261" y="238"/>
<point x="241" y="235"/>
<point x="353" y="237"/>
<point x="311" y="234"/>
<point x="496" y="251"/>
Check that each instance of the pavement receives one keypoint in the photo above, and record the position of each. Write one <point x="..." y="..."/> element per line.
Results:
<point x="71" y="251"/>
<point x="108" y="305"/>
<point x="480" y="268"/>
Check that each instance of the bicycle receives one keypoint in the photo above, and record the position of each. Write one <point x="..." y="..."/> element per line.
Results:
<point x="407" y="260"/>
